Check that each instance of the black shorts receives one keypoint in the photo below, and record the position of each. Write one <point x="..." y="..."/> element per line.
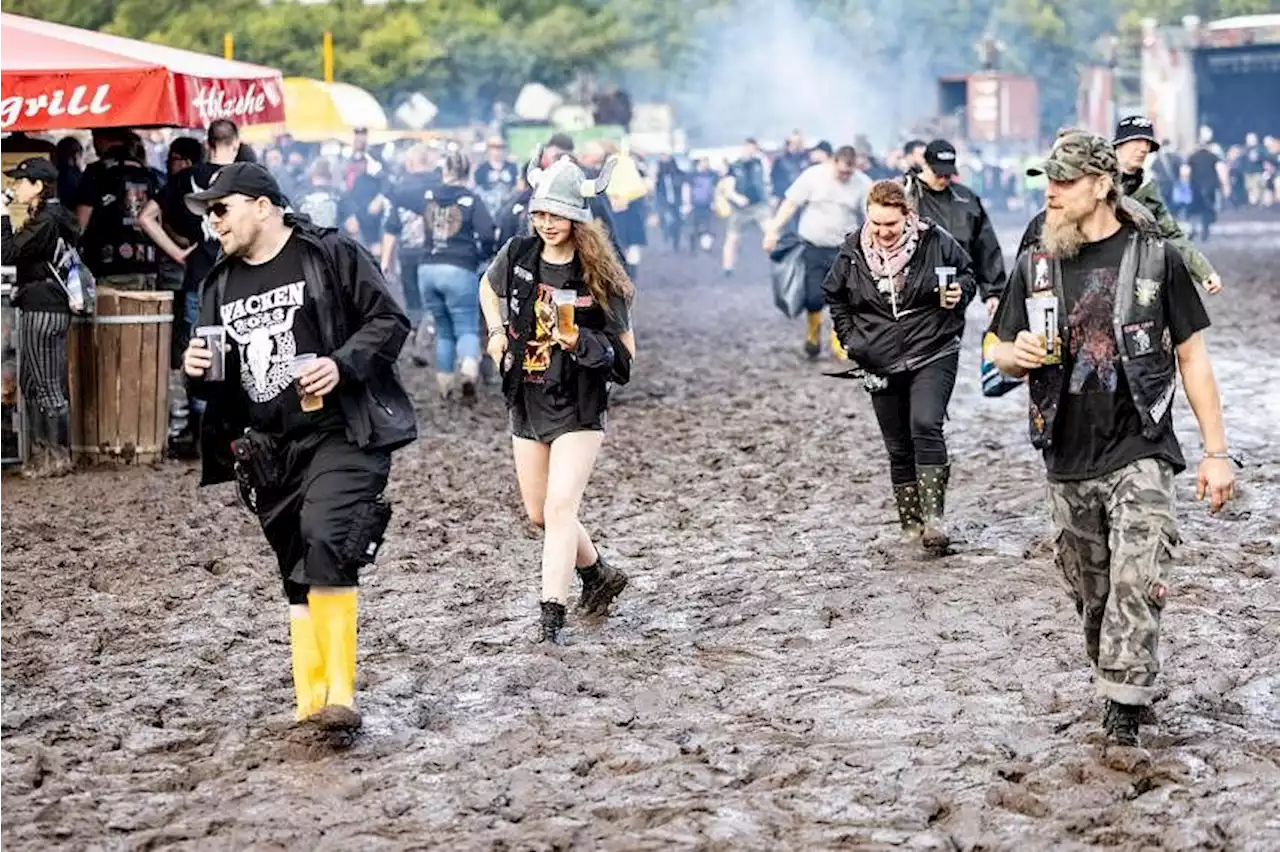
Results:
<point x="328" y="517"/>
<point x="546" y="433"/>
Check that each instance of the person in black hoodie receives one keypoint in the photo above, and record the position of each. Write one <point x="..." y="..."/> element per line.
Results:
<point x="458" y="234"/>
<point x="897" y="322"/>
<point x="46" y="313"/>
<point x="305" y="414"/>
<point x="566" y="338"/>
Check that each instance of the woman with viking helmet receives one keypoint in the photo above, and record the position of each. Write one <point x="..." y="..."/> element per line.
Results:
<point x="566" y="338"/>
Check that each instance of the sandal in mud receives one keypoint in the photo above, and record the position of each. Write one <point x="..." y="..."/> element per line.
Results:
<point x="601" y="583"/>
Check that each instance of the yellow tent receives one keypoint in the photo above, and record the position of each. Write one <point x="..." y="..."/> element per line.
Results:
<point x="316" y="111"/>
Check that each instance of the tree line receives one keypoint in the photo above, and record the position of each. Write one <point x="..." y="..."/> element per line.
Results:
<point x="468" y="54"/>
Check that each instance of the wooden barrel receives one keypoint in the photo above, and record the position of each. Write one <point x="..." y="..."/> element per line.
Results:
<point x="119" y="378"/>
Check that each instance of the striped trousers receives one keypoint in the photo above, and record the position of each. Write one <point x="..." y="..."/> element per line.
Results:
<point x="42" y="343"/>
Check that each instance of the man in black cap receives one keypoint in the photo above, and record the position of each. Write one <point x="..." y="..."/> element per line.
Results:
<point x="938" y="196"/>
<point x="1134" y="141"/>
<point x="821" y="153"/>
<point x="304" y="414"/>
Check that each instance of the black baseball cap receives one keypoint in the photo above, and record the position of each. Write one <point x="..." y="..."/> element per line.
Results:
<point x="1136" y="127"/>
<point x="563" y="141"/>
<point x="249" y="179"/>
<point x="824" y="146"/>
<point x="940" y="155"/>
<point x="33" y="168"/>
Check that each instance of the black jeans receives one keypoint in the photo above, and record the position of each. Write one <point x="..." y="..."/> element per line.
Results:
<point x="910" y="412"/>
<point x="323" y="517"/>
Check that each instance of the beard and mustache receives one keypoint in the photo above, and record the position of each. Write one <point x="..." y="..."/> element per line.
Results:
<point x="1062" y="236"/>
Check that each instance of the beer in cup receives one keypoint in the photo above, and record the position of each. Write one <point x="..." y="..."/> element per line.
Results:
<point x="566" y="320"/>
<point x="310" y="401"/>
<point x="1042" y="319"/>
<point x="945" y="274"/>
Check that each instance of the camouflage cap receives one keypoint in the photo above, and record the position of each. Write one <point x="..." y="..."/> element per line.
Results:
<point x="1076" y="154"/>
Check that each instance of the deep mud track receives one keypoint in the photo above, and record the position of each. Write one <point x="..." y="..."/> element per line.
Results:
<point x="779" y="674"/>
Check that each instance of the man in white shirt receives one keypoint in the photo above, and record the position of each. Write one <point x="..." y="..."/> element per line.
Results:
<point x="831" y="197"/>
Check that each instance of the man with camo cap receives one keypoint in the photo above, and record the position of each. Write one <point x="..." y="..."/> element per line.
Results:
<point x="1122" y="318"/>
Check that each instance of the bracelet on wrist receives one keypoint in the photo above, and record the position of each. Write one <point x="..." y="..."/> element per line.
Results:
<point x="494" y="332"/>
<point x="1221" y="455"/>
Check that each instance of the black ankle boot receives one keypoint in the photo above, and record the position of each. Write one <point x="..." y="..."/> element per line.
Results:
<point x="552" y="622"/>
<point x="907" y="499"/>
<point x="1122" y="722"/>
<point x="601" y="583"/>
<point x="933" y="501"/>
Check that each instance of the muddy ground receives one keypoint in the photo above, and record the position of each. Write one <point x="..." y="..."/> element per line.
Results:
<point x="779" y="674"/>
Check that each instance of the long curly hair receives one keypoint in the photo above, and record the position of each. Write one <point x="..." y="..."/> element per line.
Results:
<point x="604" y="274"/>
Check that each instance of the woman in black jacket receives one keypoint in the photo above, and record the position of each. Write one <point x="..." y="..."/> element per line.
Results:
<point x="46" y="312"/>
<point x="902" y="326"/>
<point x="566" y="337"/>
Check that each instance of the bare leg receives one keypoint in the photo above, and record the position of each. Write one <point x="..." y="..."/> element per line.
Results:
<point x="572" y="458"/>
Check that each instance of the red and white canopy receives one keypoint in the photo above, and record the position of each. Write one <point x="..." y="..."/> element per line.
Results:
<point x="55" y="77"/>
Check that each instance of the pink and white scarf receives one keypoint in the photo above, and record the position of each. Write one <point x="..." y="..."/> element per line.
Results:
<point x="889" y="265"/>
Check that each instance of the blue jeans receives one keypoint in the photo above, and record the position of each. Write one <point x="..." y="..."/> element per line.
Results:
<point x="452" y="295"/>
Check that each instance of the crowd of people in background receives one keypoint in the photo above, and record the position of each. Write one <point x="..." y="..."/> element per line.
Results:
<point x="434" y="213"/>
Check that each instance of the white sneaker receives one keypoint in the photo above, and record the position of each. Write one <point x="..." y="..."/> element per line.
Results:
<point x="470" y="370"/>
<point x="444" y="383"/>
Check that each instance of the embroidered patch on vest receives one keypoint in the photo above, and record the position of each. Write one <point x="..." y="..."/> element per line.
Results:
<point x="1146" y="290"/>
<point x="1137" y="338"/>
<point x="521" y="272"/>
<point x="1040" y="263"/>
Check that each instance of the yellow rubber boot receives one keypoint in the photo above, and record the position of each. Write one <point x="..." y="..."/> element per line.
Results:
<point x="813" y="339"/>
<point x="334" y="616"/>
<point x="308" y="667"/>
<point x="837" y="349"/>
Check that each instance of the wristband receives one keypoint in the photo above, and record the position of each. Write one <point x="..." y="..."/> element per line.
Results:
<point x="494" y="332"/>
<point x="1225" y="456"/>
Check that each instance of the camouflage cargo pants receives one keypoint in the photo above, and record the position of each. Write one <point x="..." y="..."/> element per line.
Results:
<point x="1115" y="538"/>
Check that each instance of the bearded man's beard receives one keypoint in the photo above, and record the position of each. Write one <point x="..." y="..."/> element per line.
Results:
<point x="1062" y="237"/>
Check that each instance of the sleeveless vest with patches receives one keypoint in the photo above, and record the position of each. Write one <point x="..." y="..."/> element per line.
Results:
<point x="1143" y="340"/>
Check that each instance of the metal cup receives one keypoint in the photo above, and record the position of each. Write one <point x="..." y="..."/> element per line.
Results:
<point x="215" y="340"/>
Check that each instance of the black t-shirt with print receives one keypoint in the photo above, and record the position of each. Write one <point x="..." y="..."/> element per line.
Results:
<point x="271" y="319"/>
<point x="1098" y="430"/>
<point x="547" y="405"/>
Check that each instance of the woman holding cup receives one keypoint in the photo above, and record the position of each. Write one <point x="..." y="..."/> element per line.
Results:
<point x="897" y="294"/>
<point x="565" y="339"/>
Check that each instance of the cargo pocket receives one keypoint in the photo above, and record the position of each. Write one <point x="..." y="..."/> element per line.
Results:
<point x="1160" y="568"/>
<point x="368" y="527"/>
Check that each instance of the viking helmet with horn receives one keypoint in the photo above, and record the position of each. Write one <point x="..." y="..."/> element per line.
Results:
<point x="562" y="189"/>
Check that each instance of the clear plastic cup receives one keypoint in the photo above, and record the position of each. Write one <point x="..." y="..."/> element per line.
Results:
<point x="310" y="401"/>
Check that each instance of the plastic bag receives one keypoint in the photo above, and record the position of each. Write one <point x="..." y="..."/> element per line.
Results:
<point x="74" y="278"/>
<point x="788" y="273"/>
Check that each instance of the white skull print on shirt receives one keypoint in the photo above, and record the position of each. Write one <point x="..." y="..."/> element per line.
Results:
<point x="263" y="326"/>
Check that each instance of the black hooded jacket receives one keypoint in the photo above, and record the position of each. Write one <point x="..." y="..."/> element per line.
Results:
<point x="363" y="330"/>
<point x="891" y="335"/>
<point x="31" y="248"/>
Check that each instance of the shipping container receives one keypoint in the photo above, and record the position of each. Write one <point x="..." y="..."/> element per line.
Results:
<point x="992" y="107"/>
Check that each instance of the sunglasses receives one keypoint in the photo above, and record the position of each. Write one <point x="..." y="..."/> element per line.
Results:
<point x="219" y="209"/>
